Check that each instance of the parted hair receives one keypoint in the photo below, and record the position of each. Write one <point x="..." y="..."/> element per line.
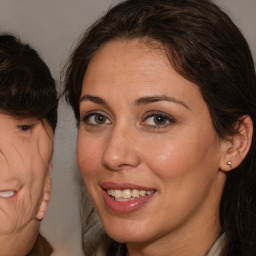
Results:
<point x="204" y="46"/>
<point x="27" y="88"/>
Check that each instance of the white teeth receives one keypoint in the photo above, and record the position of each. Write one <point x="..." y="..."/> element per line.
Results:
<point x="142" y="193"/>
<point x="7" y="194"/>
<point x="135" y="193"/>
<point x="118" y="193"/>
<point x="128" y="194"/>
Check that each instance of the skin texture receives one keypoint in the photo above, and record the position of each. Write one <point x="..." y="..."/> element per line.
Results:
<point x="181" y="159"/>
<point x="25" y="155"/>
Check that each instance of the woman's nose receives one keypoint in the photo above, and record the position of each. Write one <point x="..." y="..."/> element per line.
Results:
<point x="121" y="151"/>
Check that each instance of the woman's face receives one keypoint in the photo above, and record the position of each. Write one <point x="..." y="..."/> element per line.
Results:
<point x="25" y="159"/>
<point x="146" y="146"/>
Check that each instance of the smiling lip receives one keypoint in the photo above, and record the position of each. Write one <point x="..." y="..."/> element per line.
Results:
<point x="7" y="194"/>
<point x="126" y="203"/>
<point x="9" y="189"/>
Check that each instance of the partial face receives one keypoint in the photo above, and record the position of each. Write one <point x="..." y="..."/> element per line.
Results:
<point x="146" y="147"/>
<point x="25" y="160"/>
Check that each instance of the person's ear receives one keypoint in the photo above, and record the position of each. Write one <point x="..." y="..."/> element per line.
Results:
<point x="46" y="194"/>
<point x="237" y="148"/>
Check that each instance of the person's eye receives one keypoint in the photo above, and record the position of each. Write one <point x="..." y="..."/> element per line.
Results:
<point x="95" y="119"/>
<point x="158" y="120"/>
<point x="24" y="128"/>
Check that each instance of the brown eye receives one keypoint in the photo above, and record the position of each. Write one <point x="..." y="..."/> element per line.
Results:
<point x="100" y="119"/>
<point x="95" y="119"/>
<point x="160" y="120"/>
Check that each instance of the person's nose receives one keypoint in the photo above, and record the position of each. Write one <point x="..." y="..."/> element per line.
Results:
<point x="121" y="150"/>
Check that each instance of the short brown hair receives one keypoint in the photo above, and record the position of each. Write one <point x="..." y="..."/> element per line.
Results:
<point x="27" y="88"/>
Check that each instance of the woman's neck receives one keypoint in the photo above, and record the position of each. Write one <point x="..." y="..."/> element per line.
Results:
<point x="195" y="242"/>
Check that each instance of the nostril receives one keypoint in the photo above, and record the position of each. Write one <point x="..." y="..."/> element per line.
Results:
<point x="120" y="151"/>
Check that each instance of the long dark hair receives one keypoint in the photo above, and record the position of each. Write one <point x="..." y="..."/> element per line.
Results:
<point x="205" y="47"/>
<point x="27" y="88"/>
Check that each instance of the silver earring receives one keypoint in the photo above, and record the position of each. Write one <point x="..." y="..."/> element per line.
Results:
<point x="229" y="163"/>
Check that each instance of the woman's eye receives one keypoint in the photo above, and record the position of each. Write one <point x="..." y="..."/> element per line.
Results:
<point x="158" y="120"/>
<point x="96" y="119"/>
<point x="24" y="127"/>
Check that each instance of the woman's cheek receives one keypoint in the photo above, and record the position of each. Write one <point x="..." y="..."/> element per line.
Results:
<point x="88" y="157"/>
<point x="166" y="159"/>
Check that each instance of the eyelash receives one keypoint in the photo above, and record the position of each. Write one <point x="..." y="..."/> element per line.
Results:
<point x="25" y="128"/>
<point x="85" y="119"/>
<point x="167" y="119"/>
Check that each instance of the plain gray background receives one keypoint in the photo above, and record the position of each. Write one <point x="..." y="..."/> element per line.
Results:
<point x="53" y="27"/>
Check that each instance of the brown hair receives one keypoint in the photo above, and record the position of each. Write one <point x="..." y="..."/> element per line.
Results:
<point x="27" y="88"/>
<point x="207" y="48"/>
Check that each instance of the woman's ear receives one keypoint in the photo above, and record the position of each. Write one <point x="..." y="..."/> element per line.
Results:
<point x="237" y="148"/>
<point x="46" y="195"/>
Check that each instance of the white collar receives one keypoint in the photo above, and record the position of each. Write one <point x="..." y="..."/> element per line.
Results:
<point x="217" y="247"/>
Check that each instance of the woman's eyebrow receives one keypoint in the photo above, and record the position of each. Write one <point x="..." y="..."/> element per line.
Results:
<point x="152" y="99"/>
<point x="94" y="99"/>
<point x="139" y="101"/>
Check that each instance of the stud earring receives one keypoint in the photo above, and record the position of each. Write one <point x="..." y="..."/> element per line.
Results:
<point x="229" y="163"/>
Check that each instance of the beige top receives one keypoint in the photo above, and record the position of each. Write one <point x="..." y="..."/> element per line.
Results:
<point x="217" y="246"/>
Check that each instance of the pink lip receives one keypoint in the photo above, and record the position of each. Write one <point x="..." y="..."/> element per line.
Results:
<point x="124" y="206"/>
<point x="12" y="198"/>
<point x="10" y="185"/>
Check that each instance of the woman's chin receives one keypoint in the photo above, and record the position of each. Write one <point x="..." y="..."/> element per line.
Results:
<point x="124" y="235"/>
<point x="7" y="226"/>
<point x="124" y="238"/>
